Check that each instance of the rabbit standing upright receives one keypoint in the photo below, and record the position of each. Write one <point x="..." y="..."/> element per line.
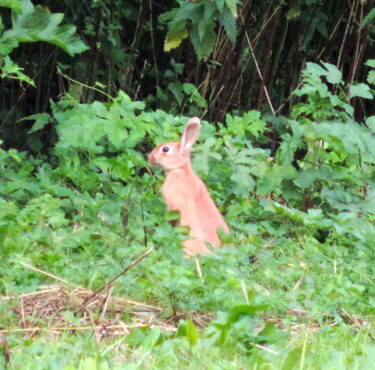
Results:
<point x="185" y="192"/>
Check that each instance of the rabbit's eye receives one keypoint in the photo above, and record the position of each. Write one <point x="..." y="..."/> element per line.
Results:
<point x="165" y="149"/>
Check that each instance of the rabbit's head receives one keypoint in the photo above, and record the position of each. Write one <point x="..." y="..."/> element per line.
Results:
<point x="176" y="154"/>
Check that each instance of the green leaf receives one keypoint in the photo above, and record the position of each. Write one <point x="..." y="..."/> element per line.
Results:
<point x="190" y="10"/>
<point x="15" y="5"/>
<point x="369" y="17"/>
<point x="243" y="182"/>
<point x="176" y="89"/>
<point x="151" y="339"/>
<point x="371" y="77"/>
<point x="334" y="75"/>
<point x="136" y="337"/>
<point x="361" y="90"/>
<point x="12" y="70"/>
<point x="176" y="33"/>
<point x="232" y="5"/>
<point x="371" y="123"/>
<point x="293" y="359"/>
<point x="39" y="24"/>
<point x="293" y="12"/>
<point x="370" y="62"/>
<point x="203" y="45"/>
<point x="228" y="20"/>
<point x="192" y="333"/>
<point x="41" y="119"/>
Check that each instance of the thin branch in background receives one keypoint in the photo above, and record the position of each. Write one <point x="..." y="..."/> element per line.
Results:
<point x="212" y="102"/>
<point x="258" y="70"/>
<point x="4" y="342"/>
<point x="330" y="37"/>
<point x="153" y="45"/>
<point x="140" y="80"/>
<point x="268" y="20"/>
<point x="345" y="35"/>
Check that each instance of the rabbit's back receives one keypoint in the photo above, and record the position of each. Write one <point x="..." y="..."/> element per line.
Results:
<point x="183" y="191"/>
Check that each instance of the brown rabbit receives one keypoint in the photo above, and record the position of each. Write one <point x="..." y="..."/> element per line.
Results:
<point x="185" y="192"/>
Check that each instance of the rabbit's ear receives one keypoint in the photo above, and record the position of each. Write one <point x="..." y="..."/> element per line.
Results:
<point x="191" y="133"/>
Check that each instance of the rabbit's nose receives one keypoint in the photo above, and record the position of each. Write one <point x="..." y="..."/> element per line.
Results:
<point x="151" y="158"/>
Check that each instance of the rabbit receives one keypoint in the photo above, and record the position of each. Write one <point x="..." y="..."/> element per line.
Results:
<point x="185" y="192"/>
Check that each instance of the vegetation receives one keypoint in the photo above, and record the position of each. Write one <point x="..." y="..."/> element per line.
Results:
<point x="293" y="286"/>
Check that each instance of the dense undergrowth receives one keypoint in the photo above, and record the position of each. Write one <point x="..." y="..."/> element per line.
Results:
<point x="293" y="285"/>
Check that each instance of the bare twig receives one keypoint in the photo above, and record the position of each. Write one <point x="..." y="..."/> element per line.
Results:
<point x="266" y="349"/>
<point x="108" y="285"/>
<point x="4" y="342"/>
<point x="199" y="270"/>
<point x="48" y="274"/>
<point x="258" y="70"/>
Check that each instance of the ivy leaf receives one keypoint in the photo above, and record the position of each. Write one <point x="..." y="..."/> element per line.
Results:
<point x="361" y="90"/>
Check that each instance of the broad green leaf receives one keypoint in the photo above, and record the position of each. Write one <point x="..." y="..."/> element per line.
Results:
<point x="370" y="62"/>
<point x="203" y="45"/>
<point x="314" y="69"/>
<point x="371" y="123"/>
<point x="41" y="119"/>
<point x="176" y="89"/>
<point x="151" y="339"/>
<point x="242" y="179"/>
<point x="190" y="10"/>
<point x="293" y="359"/>
<point x="192" y="333"/>
<point x="371" y="77"/>
<point x="135" y="337"/>
<point x="219" y="4"/>
<point x="232" y="5"/>
<point x="176" y="33"/>
<point x="334" y="75"/>
<point x="369" y="17"/>
<point x="209" y="11"/>
<point x="39" y="24"/>
<point x="15" y="5"/>
<point x="228" y="20"/>
<point x="361" y="90"/>
<point x="307" y="177"/>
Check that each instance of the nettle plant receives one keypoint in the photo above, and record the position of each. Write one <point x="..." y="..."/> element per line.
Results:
<point x="325" y="162"/>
